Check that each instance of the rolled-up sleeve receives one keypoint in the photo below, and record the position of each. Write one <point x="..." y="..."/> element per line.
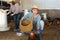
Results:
<point x="27" y="16"/>
<point x="42" y="24"/>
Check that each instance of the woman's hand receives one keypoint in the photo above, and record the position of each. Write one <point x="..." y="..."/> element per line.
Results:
<point x="38" y="28"/>
<point x="22" y="18"/>
<point x="8" y="13"/>
<point x="12" y="14"/>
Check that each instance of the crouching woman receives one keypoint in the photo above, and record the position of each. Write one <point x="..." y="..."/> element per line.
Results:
<point x="36" y="19"/>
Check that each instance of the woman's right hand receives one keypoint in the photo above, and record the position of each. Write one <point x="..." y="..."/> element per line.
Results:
<point x="8" y="13"/>
<point x="21" y="18"/>
<point x="12" y="14"/>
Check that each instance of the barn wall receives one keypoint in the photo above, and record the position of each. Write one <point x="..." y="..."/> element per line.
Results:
<point x="54" y="7"/>
<point x="43" y="4"/>
<point x="52" y="13"/>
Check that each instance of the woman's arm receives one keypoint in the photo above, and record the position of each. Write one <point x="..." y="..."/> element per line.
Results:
<point x="26" y="16"/>
<point x="38" y="22"/>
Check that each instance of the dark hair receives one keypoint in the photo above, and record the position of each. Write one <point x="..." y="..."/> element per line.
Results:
<point x="13" y="3"/>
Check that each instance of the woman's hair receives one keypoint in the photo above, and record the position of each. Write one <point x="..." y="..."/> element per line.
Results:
<point x="18" y="2"/>
<point x="13" y="2"/>
<point x="36" y="9"/>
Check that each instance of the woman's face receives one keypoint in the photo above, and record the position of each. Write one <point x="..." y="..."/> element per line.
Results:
<point x="35" y="11"/>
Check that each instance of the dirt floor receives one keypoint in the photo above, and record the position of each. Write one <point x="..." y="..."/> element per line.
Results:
<point x="49" y="33"/>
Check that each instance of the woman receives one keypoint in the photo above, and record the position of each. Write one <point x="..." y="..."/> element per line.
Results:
<point x="16" y="13"/>
<point x="36" y="18"/>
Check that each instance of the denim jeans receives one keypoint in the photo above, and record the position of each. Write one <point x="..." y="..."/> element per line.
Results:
<point x="39" y="32"/>
<point x="17" y="20"/>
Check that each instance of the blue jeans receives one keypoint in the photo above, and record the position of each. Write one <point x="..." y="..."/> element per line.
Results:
<point x="38" y="31"/>
<point x="17" y="20"/>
